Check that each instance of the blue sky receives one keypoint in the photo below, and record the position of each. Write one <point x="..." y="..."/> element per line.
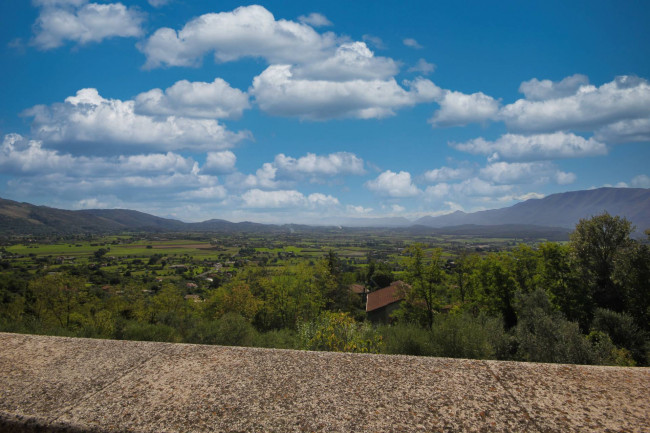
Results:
<point x="294" y="111"/>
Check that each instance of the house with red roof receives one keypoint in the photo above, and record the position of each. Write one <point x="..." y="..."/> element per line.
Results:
<point x="381" y="303"/>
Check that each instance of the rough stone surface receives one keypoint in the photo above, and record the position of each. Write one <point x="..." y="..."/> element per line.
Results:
<point x="53" y="384"/>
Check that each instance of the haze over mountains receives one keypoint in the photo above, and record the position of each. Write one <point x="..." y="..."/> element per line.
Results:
<point x="558" y="210"/>
<point x="561" y="211"/>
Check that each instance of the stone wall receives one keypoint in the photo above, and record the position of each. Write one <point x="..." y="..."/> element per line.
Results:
<point x="53" y="384"/>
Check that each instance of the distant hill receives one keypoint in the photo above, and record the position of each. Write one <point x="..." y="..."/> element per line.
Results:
<point x="520" y="231"/>
<point x="554" y="216"/>
<point x="24" y="218"/>
<point x="558" y="210"/>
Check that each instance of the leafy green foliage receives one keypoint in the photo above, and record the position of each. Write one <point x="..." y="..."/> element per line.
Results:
<point x="623" y="332"/>
<point x="338" y="332"/>
<point x="464" y="336"/>
<point x="406" y="339"/>
<point x="596" y="245"/>
<point x="544" y="335"/>
<point x="585" y="302"/>
<point x="426" y="280"/>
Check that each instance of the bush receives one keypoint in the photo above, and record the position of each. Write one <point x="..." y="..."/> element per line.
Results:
<point x="231" y="329"/>
<point x="278" y="339"/>
<point x="544" y="335"/>
<point x="464" y="336"/>
<point x="234" y="330"/>
<point x="137" y="331"/>
<point x="406" y="339"/>
<point x="624" y="333"/>
<point x="607" y="353"/>
<point x="338" y="332"/>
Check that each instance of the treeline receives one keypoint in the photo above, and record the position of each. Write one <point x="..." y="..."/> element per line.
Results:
<point x="584" y="302"/>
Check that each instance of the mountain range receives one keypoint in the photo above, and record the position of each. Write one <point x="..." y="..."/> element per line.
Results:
<point x="559" y="211"/>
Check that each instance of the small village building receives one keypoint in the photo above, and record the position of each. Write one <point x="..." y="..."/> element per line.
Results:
<point x="381" y="303"/>
<point x="193" y="298"/>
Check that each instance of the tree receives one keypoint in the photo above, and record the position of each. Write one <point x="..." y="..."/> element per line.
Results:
<point x="525" y="266"/>
<point x="544" y="335"/>
<point x="426" y="280"/>
<point x="100" y="253"/>
<point x="236" y="298"/>
<point x="329" y="280"/>
<point x="465" y="264"/>
<point x="596" y="245"/>
<point x="561" y="283"/>
<point x="57" y="297"/>
<point x="379" y="275"/>
<point x="632" y="271"/>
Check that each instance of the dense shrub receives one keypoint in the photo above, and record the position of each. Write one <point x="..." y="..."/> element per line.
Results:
<point x="453" y="335"/>
<point x="624" y="333"/>
<point x="138" y="331"/>
<point x="464" y="336"/>
<point x="544" y="335"/>
<point x="233" y="330"/>
<point x="606" y="353"/>
<point x="406" y="339"/>
<point x="278" y="339"/>
<point x="338" y="332"/>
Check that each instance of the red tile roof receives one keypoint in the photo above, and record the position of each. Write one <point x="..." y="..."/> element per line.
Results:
<point x="357" y="288"/>
<point x="386" y="296"/>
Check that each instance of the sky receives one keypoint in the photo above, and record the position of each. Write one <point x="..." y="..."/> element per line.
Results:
<point x="316" y="112"/>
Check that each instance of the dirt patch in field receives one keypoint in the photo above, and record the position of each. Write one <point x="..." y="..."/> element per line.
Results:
<point x="175" y="246"/>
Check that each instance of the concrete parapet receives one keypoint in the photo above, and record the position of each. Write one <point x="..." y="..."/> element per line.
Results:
<point x="54" y="384"/>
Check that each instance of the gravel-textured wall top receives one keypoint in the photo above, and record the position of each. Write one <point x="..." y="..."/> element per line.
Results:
<point x="66" y="384"/>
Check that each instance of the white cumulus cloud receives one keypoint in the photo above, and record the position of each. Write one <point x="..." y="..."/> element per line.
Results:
<point x="315" y="19"/>
<point x="469" y="188"/>
<point x="158" y="3"/>
<point x="194" y="99"/>
<point x="588" y="108"/>
<point x="208" y="192"/>
<point x="285" y="171"/>
<point x="279" y="93"/>
<point x="352" y="60"/>
<point x="445" y="174"/>
<point x="625" y="131"/>
<point x="83" y="22"/>
<point x="393" y="184"/>
<point x="248" y="31"/>
<point x="525" y="172"/>
<point x="88" y="118"/>
<point x="541" y="90"/>
<point x="320" y="165"/>
<point x="423" y="67"/>
<point x="412" y="43"/>
<point x="375" y="41"/>
<point x="459" y="109"/>
<point x="139" y="178"/>
<point x="219" y="162"/>
<point x="358" y="210"/>
<point x="515" y="147"/>
<point x="640" y="181"/>
<point x="21" y="156"/>
<point x="158" y="162"/>
<point x="256" y="198"/>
